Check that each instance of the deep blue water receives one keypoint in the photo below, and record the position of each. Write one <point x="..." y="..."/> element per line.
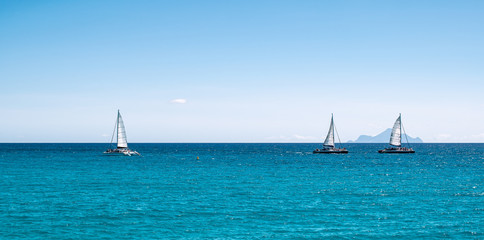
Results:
<point x="240" y="191"/>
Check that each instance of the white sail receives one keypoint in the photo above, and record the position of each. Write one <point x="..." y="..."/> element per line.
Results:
<point x="329" y="142"/>
<point x="396" y="137"/>
<point x="122" y="141"/>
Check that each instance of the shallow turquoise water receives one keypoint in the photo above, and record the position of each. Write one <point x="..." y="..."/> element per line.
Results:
<point x="240" y="191"/>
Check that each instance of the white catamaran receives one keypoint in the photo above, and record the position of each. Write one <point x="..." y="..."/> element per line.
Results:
<point x="122" y="143"/>
<point x="396" y="139"/>
<point x="328" y="145"/>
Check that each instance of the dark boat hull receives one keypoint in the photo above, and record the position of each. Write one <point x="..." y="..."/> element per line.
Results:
<point x="386" y="150"/>
<point x="122" y="152"/>
<point x="330" y="151"/>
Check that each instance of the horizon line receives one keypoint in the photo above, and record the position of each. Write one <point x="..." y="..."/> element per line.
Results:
<point x="225" y="142"/>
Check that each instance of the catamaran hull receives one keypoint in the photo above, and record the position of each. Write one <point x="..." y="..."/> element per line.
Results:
<point x="117" y="152"/>
<point x="395" y="151"/>
<point x="330" y="151"/>
<point x="122" y="154"/>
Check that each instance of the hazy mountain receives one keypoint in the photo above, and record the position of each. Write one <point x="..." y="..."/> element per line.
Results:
<point x="383" y="138"/>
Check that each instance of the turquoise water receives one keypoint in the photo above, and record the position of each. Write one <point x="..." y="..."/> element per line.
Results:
<point x="240" y="191"/>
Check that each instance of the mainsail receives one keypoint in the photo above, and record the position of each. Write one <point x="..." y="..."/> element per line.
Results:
<point x="396" y="137"/>
<point x="329" y="142"/>
<point x="122" y="141"/>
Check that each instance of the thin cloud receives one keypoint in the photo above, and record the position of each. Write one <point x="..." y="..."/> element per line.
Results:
<point x="179" y="101"/>
<point x="294" y="137"/>
<point x="443" y="137"/>
<point x="280" y="137"/>
<point x="478" y="136"/>
<point x="473" y="138"/>
<point x="299" y="137"/>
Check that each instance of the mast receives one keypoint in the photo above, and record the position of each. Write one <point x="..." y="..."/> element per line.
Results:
<point x="121" y="136"/>
<point x="117" y="127"/>
<point x="329" y="142"/>
<point x="396" y="137"/>
<point x="400" y="117"/>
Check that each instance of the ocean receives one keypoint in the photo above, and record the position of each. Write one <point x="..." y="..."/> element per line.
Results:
<point x="240" y="191"/>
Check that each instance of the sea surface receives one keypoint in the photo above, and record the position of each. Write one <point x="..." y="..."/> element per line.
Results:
<point x="241" y="191"/>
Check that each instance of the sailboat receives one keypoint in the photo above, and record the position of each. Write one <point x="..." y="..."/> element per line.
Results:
<point x="396" y="139"/>
<point x="328" y="145"/>
<point x="121" y="140"/>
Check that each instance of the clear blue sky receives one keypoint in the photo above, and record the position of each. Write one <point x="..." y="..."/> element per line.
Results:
<point x="250" y="71"/>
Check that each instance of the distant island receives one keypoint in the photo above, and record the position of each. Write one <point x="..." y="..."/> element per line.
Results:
<point x="383" y="138"/>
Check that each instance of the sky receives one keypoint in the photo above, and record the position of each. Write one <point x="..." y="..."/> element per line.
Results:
<point x="240" y="71"/>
